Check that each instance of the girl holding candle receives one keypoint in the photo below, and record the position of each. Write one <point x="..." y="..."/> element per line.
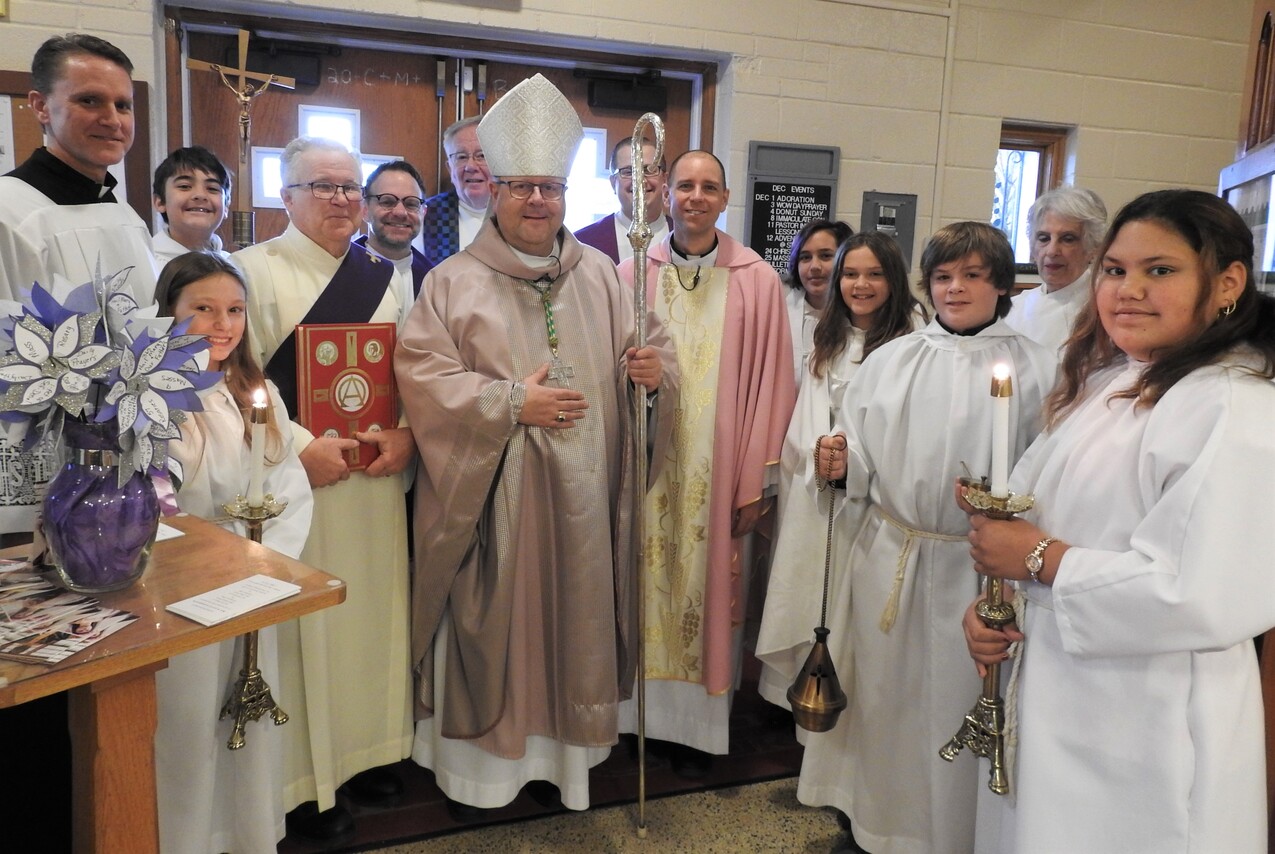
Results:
<point x="915" y="415"/>
<point x="1139" y="709"/>
<point x="212" y="799"/>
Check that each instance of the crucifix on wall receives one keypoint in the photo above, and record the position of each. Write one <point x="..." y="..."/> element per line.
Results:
<point x="248" y="86"/>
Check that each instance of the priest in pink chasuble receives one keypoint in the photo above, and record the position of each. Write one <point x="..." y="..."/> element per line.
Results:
<point x="724" y="308"/>
<point x="517" y="368"/>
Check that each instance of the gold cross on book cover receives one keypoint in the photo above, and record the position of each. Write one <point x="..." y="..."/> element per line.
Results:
<point x="345" y="382"/>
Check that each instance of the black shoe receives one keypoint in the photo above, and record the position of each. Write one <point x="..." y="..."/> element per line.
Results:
<point x="629" y="742"/>
<point x="689" y="763"/>
<point x="849" y="845"/>
<point x="328" y="826"/>
<point x="545" y="793"/>
<point x="464" y="813"/>
<point x="375" y="787"/>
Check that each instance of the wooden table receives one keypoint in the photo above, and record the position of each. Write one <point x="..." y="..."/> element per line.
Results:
<point x="112" y="683"/>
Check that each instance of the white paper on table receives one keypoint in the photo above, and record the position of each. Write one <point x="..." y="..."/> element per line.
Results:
<point x="233" y="600"/>
<point x="167" y="532"/>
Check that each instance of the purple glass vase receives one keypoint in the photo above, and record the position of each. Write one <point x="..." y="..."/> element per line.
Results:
<point x="99" y="533"/>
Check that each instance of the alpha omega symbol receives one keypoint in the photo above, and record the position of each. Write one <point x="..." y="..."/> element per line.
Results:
<point x="352" y="392"/>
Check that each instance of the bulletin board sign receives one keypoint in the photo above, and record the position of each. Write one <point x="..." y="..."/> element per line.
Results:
<point x="788" y="185"/>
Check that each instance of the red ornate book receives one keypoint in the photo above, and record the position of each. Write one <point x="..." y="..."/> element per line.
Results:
<point x="345" y="382"/>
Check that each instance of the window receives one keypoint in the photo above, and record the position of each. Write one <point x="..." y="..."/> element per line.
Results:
<point x="267" y="177"/>
<point x="589" y="193"/>
<point x="335" y="123"/>
<point x="372" y="161"/>
<point x="1029" y="162"/>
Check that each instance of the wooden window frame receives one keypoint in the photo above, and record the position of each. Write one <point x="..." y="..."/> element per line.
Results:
<point x="1050" y="142"/>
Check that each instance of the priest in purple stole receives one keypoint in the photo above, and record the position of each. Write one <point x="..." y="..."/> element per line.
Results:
<point x="344" y="673"/>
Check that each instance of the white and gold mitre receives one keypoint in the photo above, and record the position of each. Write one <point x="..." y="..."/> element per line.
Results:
<point x="532" y="130"/>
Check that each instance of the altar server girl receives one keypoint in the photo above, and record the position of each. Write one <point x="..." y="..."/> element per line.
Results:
<point x="1135" y="692"/>
<point x="211" y="799"/>
<point x="810" y="281"/>
<point x="916" y="414"/>
<point x="869" y="304"/>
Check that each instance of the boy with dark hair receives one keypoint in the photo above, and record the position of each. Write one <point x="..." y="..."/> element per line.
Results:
<point x="190" y="193"/>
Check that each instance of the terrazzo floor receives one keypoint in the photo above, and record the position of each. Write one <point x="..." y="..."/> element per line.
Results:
<point x="761" y="817"/>
<point x="763" y="749"/>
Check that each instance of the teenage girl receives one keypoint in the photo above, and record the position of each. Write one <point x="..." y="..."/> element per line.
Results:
<point x="869" y="304"/>
<point x="1138" y="703"/>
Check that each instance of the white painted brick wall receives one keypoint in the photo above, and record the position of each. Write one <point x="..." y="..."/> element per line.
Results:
<point x="1154" y="87"/>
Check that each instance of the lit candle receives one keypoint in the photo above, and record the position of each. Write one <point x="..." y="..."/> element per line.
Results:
<point x="258" y="447"/>
<point x="1002" y="391"/>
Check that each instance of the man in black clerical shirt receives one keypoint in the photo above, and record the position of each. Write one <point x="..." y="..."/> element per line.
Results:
<point x="59" y="216"/>
<point x="58" y="212"/>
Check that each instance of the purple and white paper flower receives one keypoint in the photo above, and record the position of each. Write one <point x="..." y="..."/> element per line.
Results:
<point x="96" y="356"/>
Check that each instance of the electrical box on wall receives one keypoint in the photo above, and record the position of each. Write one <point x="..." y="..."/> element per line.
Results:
<point x="893" y="214"/>
<point x="788" y="185"/>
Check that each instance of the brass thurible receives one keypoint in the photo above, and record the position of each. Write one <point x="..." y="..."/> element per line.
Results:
<point x="816" y="696"/>
<point x="983" y="730"/>
<point x="250" y="697"/>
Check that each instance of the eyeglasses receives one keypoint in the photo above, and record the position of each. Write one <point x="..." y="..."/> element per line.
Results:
<point x="462" y="158"/>
<point x="550" y="191"/>
<point x="650" y="170"/>
<point x="389" y="201"/>
<point x="326" y="190"/>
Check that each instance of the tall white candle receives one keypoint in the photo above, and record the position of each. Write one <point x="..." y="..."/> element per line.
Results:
<point x="256" y="498"/>
<point x="1002" y="391"/>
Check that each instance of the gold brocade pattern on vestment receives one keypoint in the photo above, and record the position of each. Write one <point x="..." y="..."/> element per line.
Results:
<point x="677" y="510"/>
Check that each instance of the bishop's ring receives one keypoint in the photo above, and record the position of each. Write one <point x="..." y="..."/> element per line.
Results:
<point x="562" y="416"/>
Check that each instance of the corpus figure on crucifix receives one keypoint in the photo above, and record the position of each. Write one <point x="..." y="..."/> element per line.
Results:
<point x="245" y="92"/>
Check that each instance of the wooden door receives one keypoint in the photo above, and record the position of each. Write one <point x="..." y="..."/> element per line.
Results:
<point x="396" y="88"/>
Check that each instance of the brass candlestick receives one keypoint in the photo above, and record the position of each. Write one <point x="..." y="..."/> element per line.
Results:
<point x="250" y="697"/>
<point x="983" y="730"/>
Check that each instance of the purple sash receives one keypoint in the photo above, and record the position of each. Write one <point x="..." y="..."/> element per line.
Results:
<point x="356" y="289"/>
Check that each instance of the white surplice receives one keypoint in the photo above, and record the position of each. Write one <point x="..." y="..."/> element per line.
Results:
<point x="802" y="320"/>
<point x="38" y="240"/>
<point x="1046" y="316"/>
<point x="794" y="591"/>
<point x="1138" y="701"/>
<point x="916" y="410"/>
<point x="166" y="248"/>
<point x="212" y="799"/>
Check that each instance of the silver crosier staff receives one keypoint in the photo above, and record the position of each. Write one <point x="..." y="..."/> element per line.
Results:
<point x="640" y="239"/>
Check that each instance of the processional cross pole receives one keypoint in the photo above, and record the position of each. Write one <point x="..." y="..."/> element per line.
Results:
<point x="247" y="87"/>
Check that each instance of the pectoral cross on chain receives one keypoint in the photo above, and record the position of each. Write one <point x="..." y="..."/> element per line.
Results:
<point x="560" y="370"/>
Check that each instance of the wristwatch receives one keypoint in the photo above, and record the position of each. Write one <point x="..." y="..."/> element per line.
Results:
<point x="1035" y="561"/>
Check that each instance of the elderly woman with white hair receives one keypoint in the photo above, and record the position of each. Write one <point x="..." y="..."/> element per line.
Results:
<point x="1066" y="225"/>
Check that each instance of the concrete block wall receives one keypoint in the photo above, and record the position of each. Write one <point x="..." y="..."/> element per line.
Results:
<point x="913" y="91"/>
<point x="1152" y="89"/>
